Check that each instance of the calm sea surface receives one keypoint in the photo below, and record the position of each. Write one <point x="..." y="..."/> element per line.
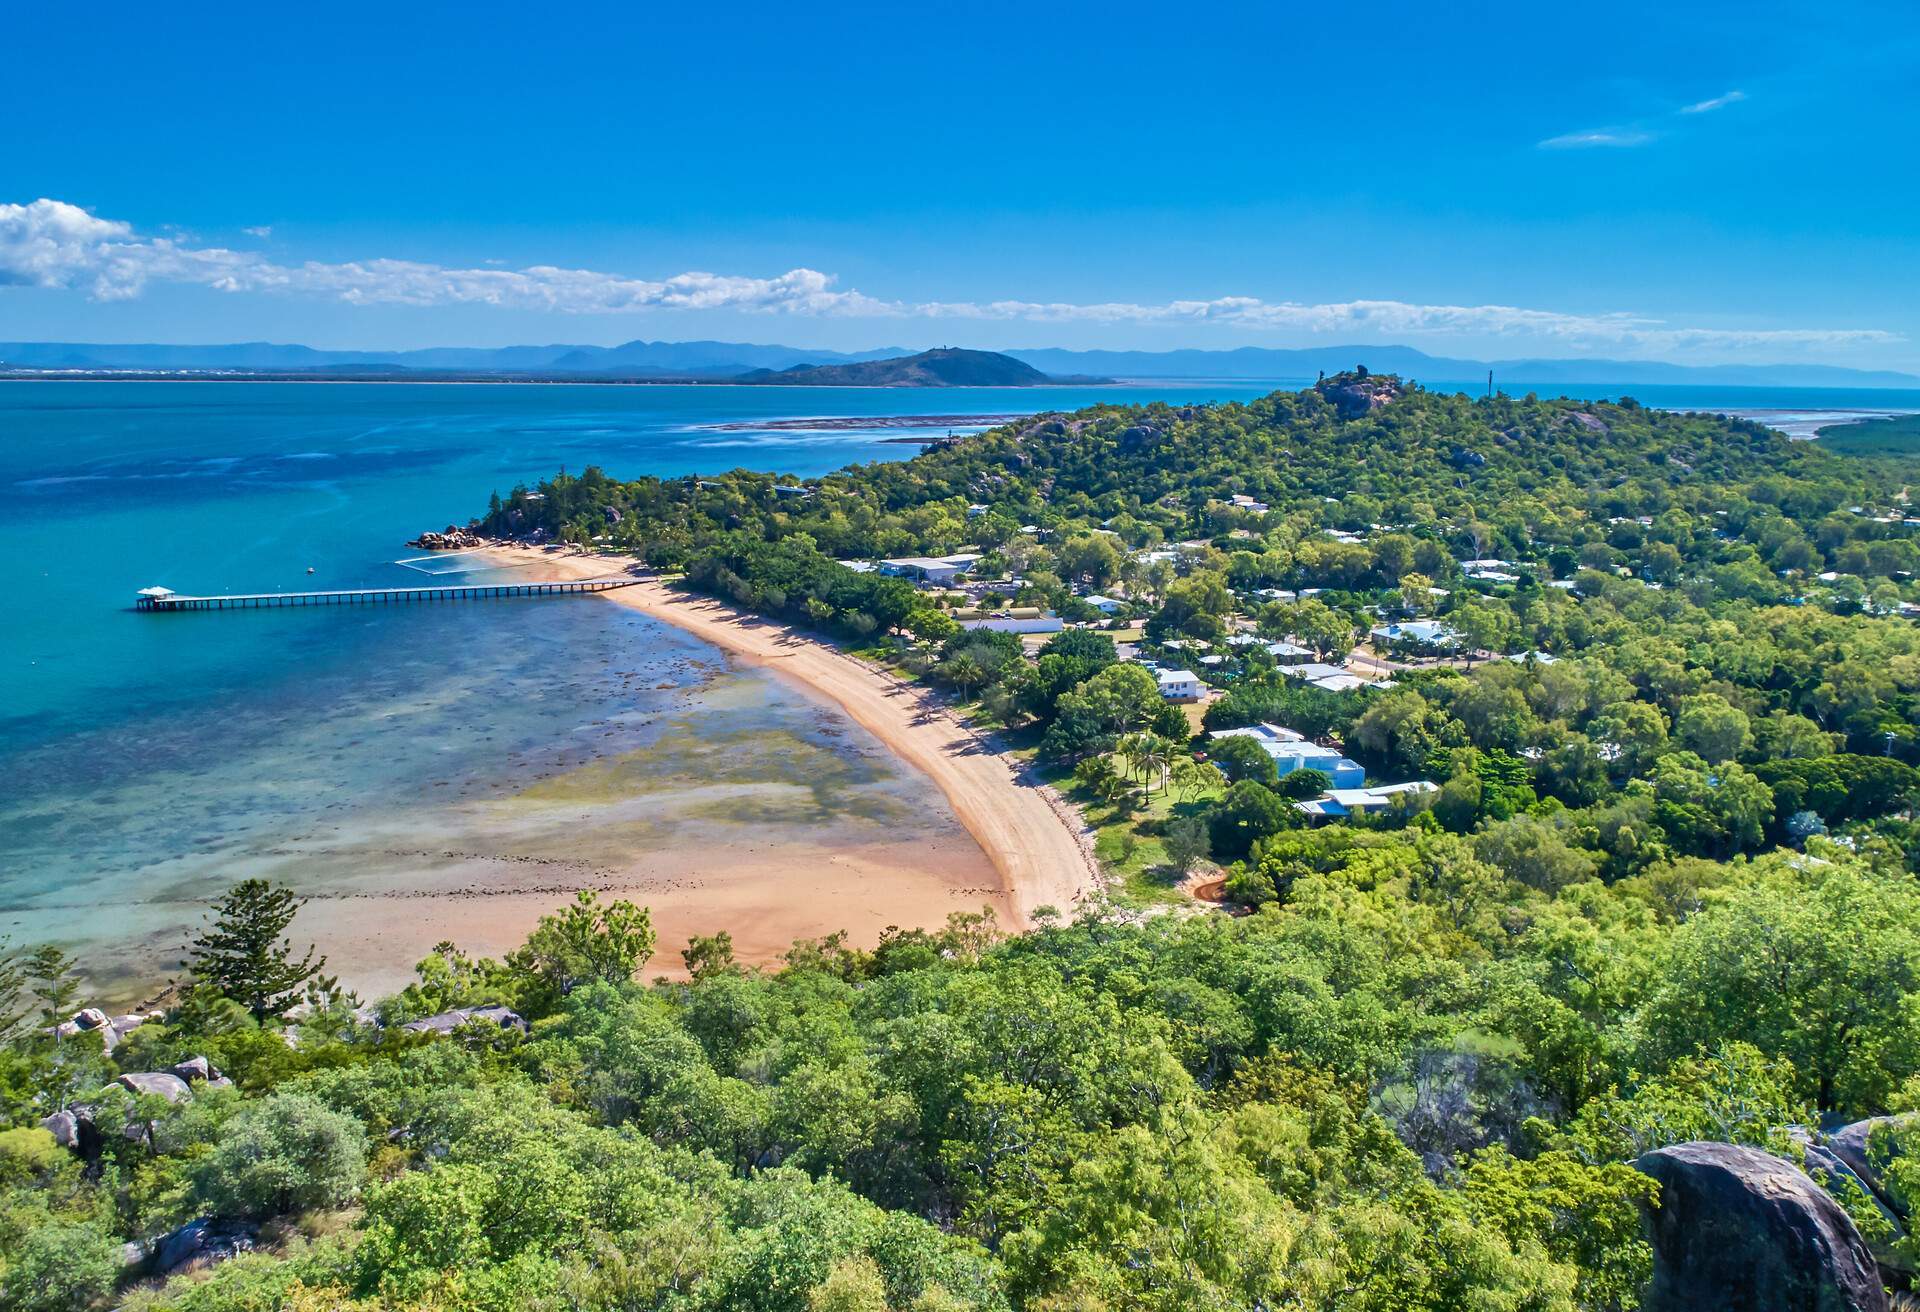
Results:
<point x="150" y="759"/>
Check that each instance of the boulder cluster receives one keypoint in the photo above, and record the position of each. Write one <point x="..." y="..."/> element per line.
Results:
<point x="447" y="1022"/>
<point x="1737" y="1228"/>
<point x="110" y="1029"/>
<point x="78" y="1126"/>
<point x="451" y="538"/>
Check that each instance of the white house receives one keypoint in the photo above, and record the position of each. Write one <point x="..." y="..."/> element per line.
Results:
<point x="1105" y="605"/>
<point x="1243" y="502"/>
<point x="930" y="569"/>
<point x="1288" y="653"/>
<point x="1339" y="802"/>
<point x="1179" y="685"/>
<point x="1016" y="623"/>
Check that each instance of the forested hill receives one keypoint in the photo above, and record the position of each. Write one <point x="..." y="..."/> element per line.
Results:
<point x="944" y="367"/>
<point x="1640" y="910"/>
<point x="1487" y="474"/>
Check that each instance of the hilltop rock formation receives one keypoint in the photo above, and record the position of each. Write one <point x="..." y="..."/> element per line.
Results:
<point x="1740" y="1230"/>
<point x="1358" y="393"/>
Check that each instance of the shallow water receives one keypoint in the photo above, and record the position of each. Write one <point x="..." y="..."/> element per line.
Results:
<point x="483" y="749"/>
<point x="480" y="748"/>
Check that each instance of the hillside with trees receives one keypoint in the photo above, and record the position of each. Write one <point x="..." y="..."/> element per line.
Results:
<point x="1430" y="1056"/>
<point x="946" y="366"/>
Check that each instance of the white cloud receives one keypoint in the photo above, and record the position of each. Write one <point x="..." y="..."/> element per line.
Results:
<point x="1718" y="102"/>
<point x="1372" y="318"/>
<point x="1635" y="134"/>
<point x="1598" y="137"/>
<point x="263" y="232"/>
<point x="51" y="244"/>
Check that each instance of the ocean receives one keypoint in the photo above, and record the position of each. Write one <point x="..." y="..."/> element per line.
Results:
<point x="152" y="760"/>
<point x="382" y="752"/>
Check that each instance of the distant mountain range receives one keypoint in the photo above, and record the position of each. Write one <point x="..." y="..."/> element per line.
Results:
<point x="945" y="366"/>
<point x="716" y="361"/>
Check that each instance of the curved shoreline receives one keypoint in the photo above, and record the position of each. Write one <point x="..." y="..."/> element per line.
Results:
<point x="1040" y="850"/>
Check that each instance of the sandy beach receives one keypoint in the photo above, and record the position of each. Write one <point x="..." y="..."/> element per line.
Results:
<point x="1034" y="840"/>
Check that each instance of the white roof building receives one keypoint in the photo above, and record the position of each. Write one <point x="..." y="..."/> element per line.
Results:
<point x="1178" y="685"/>
<point x="1311" y="670"/>
<point x="1339" y="802"/>
<point x="930" y="569"/>
<point x="1424" y="633"/>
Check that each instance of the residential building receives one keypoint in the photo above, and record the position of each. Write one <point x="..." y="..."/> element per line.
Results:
<point x="1291" y="751"/>
<point x="1339" y="802"/>
<point x="930" y="569"/>
<point x="1415" y="633"/>
<point x="1179" y="685"/>
<point x="1016" y="623"/>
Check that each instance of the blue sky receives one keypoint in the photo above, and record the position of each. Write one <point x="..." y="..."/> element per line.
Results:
<point x="1732" y="182"/>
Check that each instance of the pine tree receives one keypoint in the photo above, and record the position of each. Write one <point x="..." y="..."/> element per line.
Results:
<point x="244" y="956"/>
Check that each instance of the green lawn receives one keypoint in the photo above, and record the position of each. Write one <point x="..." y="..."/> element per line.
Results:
<point x="1128" y="842"/>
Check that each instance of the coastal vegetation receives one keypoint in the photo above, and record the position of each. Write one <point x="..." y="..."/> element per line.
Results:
<point x="1662" y="891"/>
<point x="1897" y="435"/>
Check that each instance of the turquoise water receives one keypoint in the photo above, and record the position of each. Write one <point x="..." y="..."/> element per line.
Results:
<point x="150" y="760"/>
<point x="241" y="487"/>
<point x="153" y="759"/>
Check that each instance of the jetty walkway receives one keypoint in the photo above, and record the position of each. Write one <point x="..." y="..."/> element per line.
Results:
<point x="165" y="599"/>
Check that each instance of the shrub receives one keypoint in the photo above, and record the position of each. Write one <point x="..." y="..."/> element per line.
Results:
<point x="286" y="1153"/>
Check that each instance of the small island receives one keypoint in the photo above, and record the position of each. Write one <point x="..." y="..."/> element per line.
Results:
<point x="946" y="366"/>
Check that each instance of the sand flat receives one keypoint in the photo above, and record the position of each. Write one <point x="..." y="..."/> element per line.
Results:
<point x="1033" y="839"/>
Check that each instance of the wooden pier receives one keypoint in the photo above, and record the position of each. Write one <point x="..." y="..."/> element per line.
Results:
<point x="162" y="599"/>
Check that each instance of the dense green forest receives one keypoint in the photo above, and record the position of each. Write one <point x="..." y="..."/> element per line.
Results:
<point x="1665" y="892"/>
<point x="1893" y="435"/>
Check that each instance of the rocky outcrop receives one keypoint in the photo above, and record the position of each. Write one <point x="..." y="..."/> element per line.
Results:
<point x="110" y="1029"/>
<point x="201" y="1243"/>
<point x="75" y="1129"/>
<point x="1852" y="1191"/>
<point x="1867" y="1153"/>
<point x="451" y="538"/>
<point x="1740" y="1230"/>
<point x="160" y="1084"/>
<point x="447" y="1022"/>
<point x="1358" y="393"/>
<point x="198" y="1070"/>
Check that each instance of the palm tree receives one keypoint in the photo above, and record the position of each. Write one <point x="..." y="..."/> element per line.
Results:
<point x="1148" y="755"/>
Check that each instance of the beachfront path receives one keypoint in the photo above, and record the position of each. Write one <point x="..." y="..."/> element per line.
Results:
<point x="1036" y="843"/>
